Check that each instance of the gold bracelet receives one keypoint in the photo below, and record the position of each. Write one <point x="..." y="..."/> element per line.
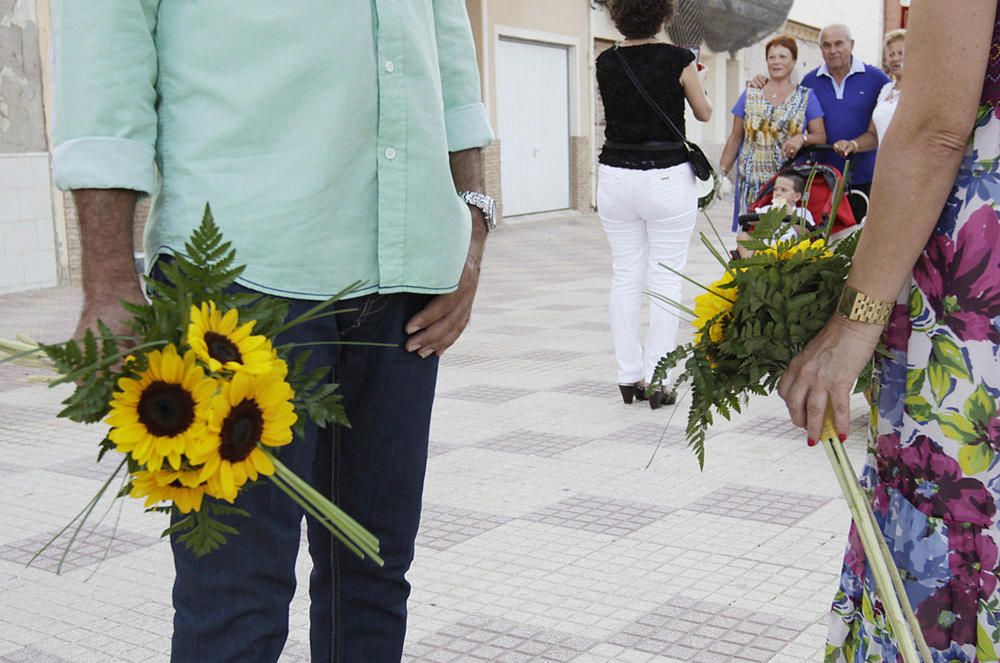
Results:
<point x="856" y="305"/>
<point x="855" y="144"/>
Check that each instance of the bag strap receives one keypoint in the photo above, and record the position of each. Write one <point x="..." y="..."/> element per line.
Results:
<point x="649" y="99"/>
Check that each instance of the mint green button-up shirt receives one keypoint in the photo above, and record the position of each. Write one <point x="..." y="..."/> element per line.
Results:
<point x="319" y="130"/>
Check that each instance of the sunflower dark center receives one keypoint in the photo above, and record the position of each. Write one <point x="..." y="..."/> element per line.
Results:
<point x="166" y="409"/>
<point x="221" y="348"/>
<point x="241" y="431"/>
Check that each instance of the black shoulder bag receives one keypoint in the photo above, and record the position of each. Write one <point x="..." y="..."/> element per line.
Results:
<point x="700" y="164"/>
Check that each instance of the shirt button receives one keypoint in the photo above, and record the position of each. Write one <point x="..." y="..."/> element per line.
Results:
<point x="390" y="153"/>
<point x="389" y="66"/>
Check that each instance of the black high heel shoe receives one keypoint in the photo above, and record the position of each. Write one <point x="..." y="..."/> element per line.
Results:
<point x="660" y="398"/>
<point x="628" y="392"/>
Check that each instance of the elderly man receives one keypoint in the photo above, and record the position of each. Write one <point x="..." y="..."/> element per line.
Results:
<point x="848" y="90"/>
<point x="336" y="142"/>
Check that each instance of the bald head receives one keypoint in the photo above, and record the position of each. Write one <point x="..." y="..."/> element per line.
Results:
<point x="836" y="30"/>
<point x="837" y="45"/>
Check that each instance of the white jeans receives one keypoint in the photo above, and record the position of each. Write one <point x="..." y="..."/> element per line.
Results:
<point x="648" y="216"/>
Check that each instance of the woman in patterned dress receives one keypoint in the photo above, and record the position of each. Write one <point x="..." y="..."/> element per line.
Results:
<point x="770" y="124"/>
<point x="933" y="239"/>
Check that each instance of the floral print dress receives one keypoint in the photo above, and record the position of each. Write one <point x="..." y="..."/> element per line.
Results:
<point x="933" y="466"/>
<point x="766" y="127"/>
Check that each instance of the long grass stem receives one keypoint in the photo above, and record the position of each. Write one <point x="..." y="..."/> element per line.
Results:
<point x="876" y="552"/>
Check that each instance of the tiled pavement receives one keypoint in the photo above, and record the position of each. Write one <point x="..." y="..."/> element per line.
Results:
<point x="560" y="524"/>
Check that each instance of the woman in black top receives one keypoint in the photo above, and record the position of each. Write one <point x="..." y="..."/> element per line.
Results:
<point x="646" y="194"/>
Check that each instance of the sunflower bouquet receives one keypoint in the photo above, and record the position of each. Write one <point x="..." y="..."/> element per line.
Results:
<point x="749" y="324"/>
<point x="199" y="398"/>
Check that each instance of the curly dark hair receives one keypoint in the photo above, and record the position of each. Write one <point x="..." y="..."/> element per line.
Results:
<point x="640" y="19"/>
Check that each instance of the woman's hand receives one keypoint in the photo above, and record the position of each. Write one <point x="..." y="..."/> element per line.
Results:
<point x="825" y="372"/>
<point x="845" y="148"/>
<point x="793" y="145"/>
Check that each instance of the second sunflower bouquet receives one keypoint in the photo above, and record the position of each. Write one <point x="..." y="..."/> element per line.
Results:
<point x="200" y="398"/>
<point x="749" y="324"/>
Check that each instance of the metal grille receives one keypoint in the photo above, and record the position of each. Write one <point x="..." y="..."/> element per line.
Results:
<point x="727" y="25"/>
<point x="724" y="25"/>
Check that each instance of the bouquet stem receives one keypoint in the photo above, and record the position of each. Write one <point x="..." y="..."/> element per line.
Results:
<point x="888" y="582"/>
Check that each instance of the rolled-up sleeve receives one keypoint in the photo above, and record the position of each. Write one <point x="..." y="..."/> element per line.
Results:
<point x="105" y="94"/>
<point x="466" y="120"/>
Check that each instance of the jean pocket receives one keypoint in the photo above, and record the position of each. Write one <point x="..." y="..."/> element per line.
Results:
<point x="667" y="188"/>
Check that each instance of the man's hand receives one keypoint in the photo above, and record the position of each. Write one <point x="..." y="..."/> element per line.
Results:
<point x="108" y="309"/>
<point x="442" y="321"/>
<point x="758" y="82"/>
<point x="438" y="326"/>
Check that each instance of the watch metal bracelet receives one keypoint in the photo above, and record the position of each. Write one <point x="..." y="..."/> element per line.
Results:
<point x="856" y="305"/>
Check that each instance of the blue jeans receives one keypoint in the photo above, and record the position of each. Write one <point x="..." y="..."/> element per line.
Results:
<point x="232" y="604"/>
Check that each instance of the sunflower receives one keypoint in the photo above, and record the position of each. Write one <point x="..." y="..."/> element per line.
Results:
<point x="787" y="251"/>
<point x="162" y="413"/>
<point x="710" y="309"/>
<point x="221" y="342"/>
<point x="249" y="411"/>
<point x="184" y="488"/>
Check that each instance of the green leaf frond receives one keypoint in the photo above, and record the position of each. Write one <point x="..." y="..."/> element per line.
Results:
<point x="202" y="531"/>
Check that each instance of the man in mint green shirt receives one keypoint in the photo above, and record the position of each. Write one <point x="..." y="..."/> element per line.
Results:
<point x="336" y="142"/>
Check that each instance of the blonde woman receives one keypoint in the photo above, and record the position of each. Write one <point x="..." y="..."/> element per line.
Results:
<point x="888" y="98"/>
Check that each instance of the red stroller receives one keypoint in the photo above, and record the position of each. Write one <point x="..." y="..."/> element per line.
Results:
<point x="818" y="199"/>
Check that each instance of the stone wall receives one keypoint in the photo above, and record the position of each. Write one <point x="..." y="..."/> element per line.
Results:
<point x="491" y="174"/>
<point x="580" y="172"/>
<point x="22" y="119"/>
<point x="27" y="232"/>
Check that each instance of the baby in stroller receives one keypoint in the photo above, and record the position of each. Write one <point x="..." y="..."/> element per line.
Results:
<point x="787" y="192"/>
<point x="814" y="206"/>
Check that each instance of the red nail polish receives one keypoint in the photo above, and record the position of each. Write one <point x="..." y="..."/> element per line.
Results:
<point x="843" y="438"/>
<point x="811" y="442"/>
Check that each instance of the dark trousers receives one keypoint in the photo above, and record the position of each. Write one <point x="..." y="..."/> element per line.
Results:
<point x="232" y="604"/>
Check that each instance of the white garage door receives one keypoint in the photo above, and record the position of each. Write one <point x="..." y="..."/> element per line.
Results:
<point x="533" y="109"/>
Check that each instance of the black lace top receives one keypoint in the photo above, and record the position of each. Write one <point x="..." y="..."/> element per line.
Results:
<point x="629" y="118"/>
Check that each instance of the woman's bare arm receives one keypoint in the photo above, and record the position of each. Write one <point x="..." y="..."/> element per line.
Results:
<point x="732" y="147"/>
<point x="695" y="93"/>
<point x="916" y="170"/>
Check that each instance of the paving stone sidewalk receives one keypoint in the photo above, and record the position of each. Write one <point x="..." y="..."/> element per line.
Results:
<point x="559" y="524"/>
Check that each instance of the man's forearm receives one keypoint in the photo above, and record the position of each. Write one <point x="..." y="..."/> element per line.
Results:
<point x="467" y="172"/>
<point x="106" y="217"/>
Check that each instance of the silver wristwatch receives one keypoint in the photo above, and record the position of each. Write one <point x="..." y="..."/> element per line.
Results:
<point x="483" y="202"/>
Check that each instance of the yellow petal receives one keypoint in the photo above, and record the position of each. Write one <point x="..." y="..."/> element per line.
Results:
<point x="228" y="323"/>
<point x="228" y="485"/>
<point x="239" y="473"/>
<point x="241" y="333"/>
<point x="261" y="462"/>
<point x="210" y="468"/>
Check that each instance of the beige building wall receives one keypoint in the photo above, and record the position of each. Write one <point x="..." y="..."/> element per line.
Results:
<point x="562" y="22"/>
<point x="28" y="256"/>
